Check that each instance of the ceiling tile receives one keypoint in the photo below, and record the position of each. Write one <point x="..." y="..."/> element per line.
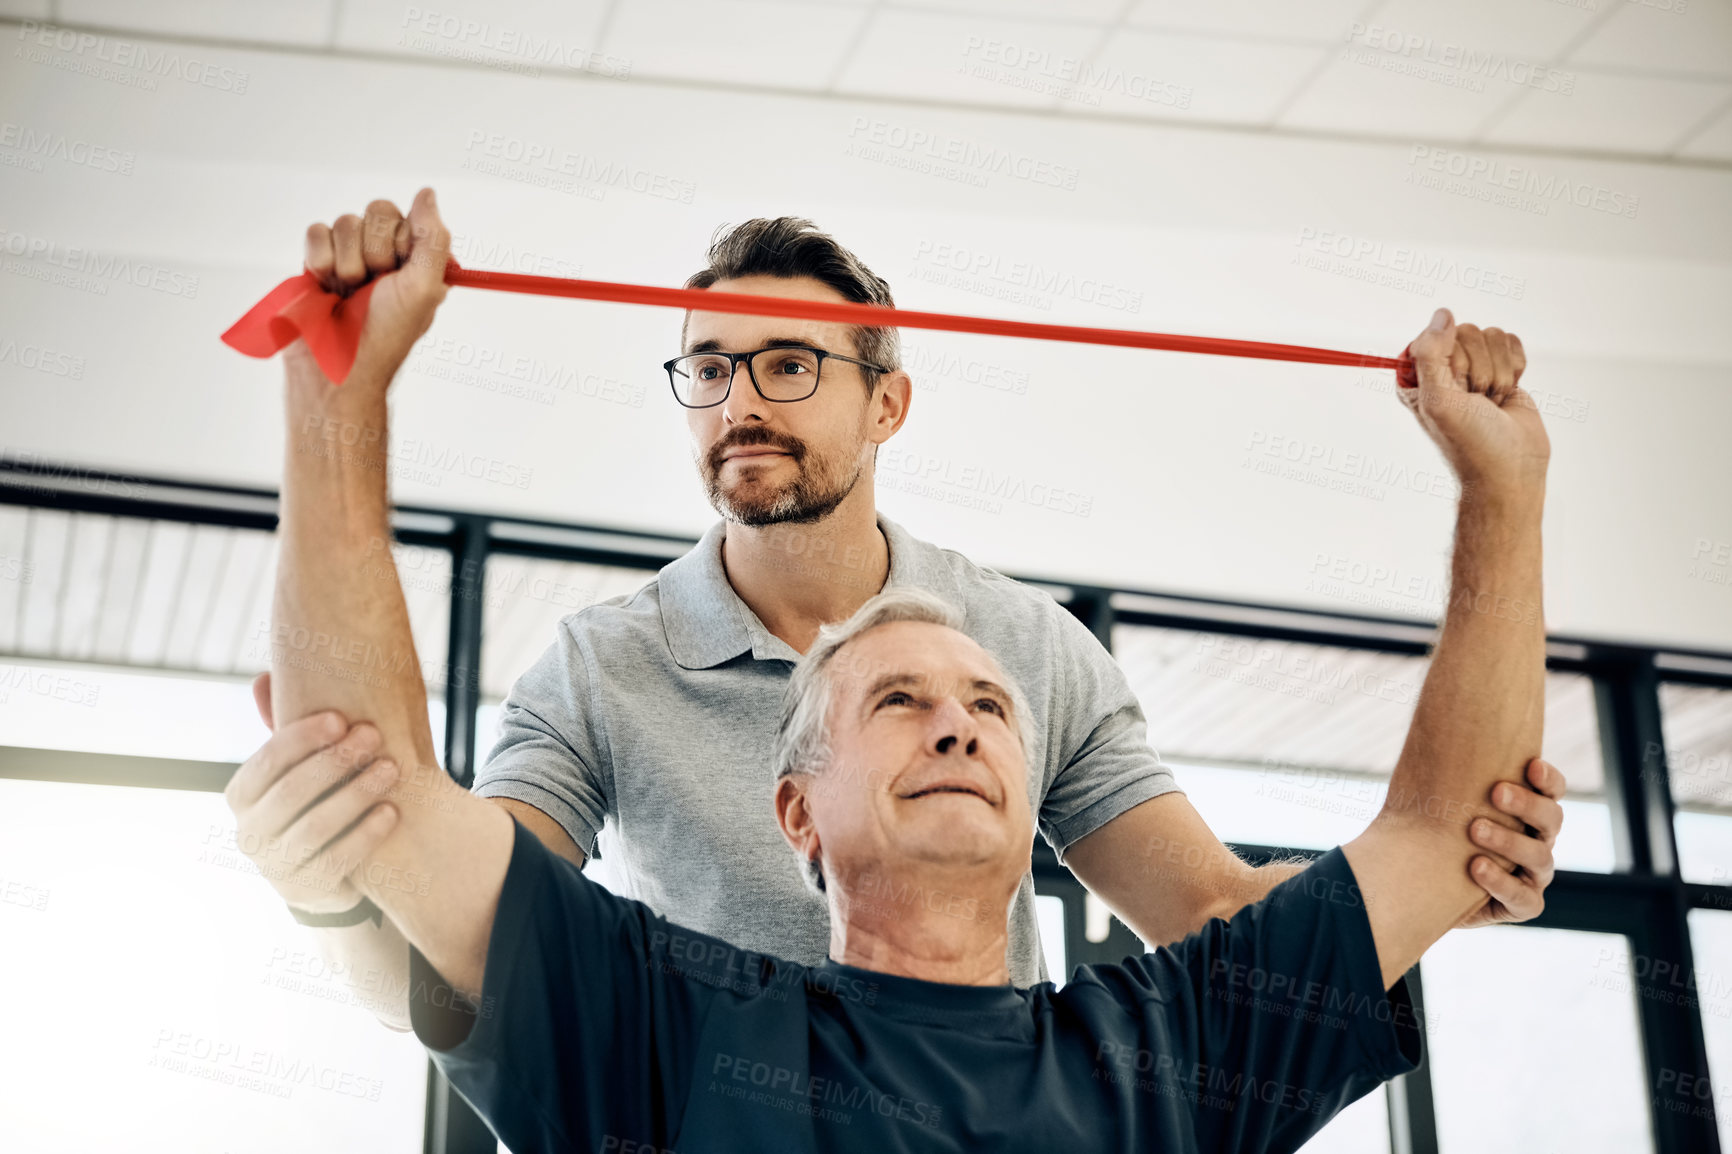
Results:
<point x="1182" y="76"/>
<point x="1611" y="114"/>
<point x="1531" y="34"/>
<point x="1322" y="21"/>
<point x="1713" y="141"/>
<point x="1696" y="40"/>
<point x="1098" y="12"/>
<point x="967" y="59"/>
<point x="261" y="21"/>
<point x="1365" y="89"/>
<point x="758" y="42"/>
<point x="530" y="36"/>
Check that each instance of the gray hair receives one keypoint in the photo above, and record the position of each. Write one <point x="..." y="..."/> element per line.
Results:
<point x="803" y="737"/>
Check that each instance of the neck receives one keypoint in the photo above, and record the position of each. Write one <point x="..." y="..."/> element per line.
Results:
<point x="798" y="577"/>
<point x="921" y="926"/>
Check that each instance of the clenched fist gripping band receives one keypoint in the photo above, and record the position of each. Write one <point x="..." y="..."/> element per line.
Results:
<point x="331" y="324"/>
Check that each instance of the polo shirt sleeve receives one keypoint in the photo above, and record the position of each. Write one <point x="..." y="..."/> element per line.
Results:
<point x="1106" y="763"/>
<point x="585" y="1029"/>
<point x="551" y="751"/>
<point x="1265" y="1027"/>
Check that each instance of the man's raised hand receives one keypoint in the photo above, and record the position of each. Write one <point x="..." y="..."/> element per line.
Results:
<point x="405" y="258"/>
<point x="1471" y="402"/>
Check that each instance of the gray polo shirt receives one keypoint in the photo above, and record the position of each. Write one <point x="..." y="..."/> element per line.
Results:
<point x="645" y="731"/>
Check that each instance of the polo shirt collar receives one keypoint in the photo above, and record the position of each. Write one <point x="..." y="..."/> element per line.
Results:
<point x="707" y="623"/>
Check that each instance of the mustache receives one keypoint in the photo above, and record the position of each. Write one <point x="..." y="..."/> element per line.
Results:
<point x="753" y="436"/>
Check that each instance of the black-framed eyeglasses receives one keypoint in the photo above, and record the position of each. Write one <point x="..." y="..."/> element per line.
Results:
<point x="780" y="373"/>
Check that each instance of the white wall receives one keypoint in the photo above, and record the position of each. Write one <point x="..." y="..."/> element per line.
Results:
<point x="1623" y="318"/>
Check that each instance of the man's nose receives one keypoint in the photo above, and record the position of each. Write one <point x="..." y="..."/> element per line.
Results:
<point x="953" y="727"/>
<point x="743" y="401"/>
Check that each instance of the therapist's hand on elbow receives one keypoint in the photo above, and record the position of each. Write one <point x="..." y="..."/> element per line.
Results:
<point x="308" y="805"/>
<point x="1517" y="867"/>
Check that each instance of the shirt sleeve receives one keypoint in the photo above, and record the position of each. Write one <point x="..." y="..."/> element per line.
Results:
<point x="1106" y="763"/>
<point x="1266" y="1026"/>
<point x="550" y="753"/>
<point x="587" y="1022"/>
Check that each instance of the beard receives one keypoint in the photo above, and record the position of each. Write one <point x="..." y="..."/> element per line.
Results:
<point x="819" y="485"/>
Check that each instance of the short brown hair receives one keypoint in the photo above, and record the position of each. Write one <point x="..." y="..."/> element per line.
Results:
<point x="791" y="246"/>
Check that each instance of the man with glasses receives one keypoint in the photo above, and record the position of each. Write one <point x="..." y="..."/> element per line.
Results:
<point x="642" y="731"/>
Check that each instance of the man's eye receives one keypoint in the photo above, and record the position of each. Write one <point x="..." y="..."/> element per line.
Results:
<point x="896" y="698"/>
<point x="991" y="704"/>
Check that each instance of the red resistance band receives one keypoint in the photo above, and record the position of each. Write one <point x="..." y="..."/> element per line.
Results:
<point x="331" y="324"/>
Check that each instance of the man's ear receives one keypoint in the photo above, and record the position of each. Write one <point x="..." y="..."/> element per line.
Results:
<point x="889" y="405"/>
<point x="794" y="815"/>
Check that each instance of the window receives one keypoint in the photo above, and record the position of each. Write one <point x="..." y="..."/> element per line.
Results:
<point x="1290" y="744"/>
<point x="1533" y="1043"/>
<point x="1711" y="942"/>
<point x="151" y="966"/>
<point x="1697" y="723"/>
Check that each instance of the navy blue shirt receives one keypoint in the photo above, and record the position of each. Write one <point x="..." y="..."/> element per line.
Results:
<point x="605" y="1029"/>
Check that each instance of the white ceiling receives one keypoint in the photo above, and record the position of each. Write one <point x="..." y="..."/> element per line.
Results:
<point x="1234" y="216"/>
<point x="1608" y="77"/>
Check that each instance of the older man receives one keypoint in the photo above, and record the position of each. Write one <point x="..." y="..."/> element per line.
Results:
<point x="573" y="1018"/>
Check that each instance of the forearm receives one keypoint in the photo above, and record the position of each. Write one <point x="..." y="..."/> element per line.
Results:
<point x="1479" y="720"/>
<point x="340" y="636"/>
<point x="373" y="962"/>
<point x="341" y="640"/>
